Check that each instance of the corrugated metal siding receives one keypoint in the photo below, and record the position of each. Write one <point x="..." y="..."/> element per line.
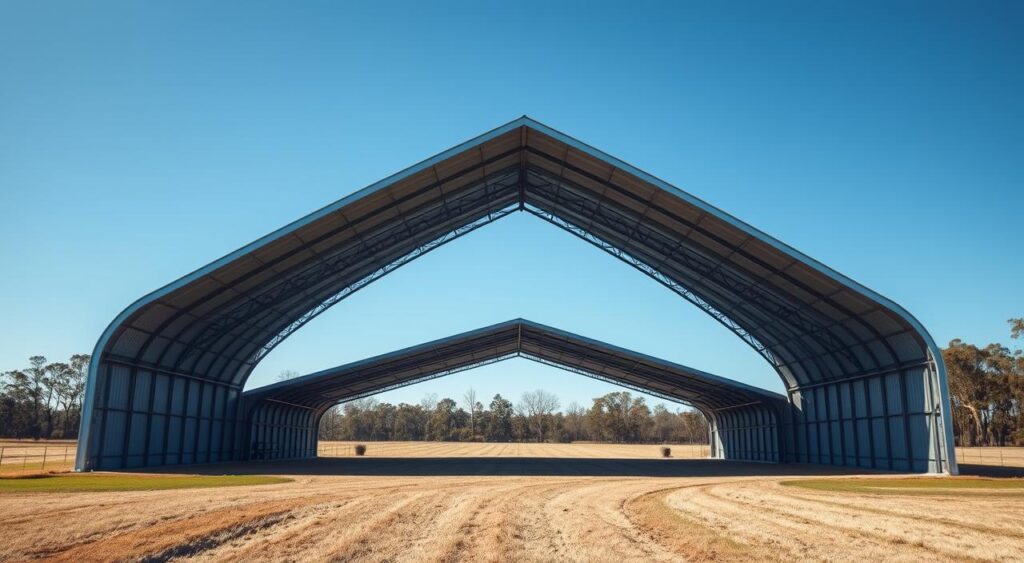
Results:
<point x="889" y="421"/>
<point x="150" y="418"/>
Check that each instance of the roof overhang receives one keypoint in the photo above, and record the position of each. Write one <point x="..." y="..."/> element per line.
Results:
<point x="517" y="338"/>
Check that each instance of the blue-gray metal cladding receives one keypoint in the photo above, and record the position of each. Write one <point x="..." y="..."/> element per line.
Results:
<point x="865" y="380"/>
<point x="743" y="418"/>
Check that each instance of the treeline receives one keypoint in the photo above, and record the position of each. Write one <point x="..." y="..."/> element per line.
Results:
<point x="615" y="417"/>
<point x="986" y="384"/>
<point x="987" y="389"/>
<point x="43" y="400"/>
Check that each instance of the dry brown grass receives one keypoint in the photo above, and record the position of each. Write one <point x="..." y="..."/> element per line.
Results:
<point x="32" y="456"/>
<point x="492" y="449"/>
<point x="516" y="518"/>
<point x="511" y="518"/>
<point x="1005" y="457"/>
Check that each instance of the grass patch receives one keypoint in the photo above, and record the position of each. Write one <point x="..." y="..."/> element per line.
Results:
<point x="683" y="534"/>
<point x="88" y="482"/>
<point x="35" y="465"/>
<point x="921" y="486"/>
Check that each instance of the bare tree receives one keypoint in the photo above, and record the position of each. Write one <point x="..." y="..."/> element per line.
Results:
<point x="429" y="401"/>
<point x="575" y="420"/>
<point x="287" y="374"/>
<point x="469" y="399"/>
<point x="538" y="406"/>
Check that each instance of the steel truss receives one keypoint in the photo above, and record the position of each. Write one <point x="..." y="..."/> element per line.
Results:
<point x="438" y="375"/>
<point x="524" y="355"/>
<point x="606" y="379"/>
<point x="375" y="244"/>
<point x="377" y="274"/>
<point x="661" y="278"/>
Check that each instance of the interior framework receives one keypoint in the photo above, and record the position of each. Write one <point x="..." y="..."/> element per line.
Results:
<point x="283" y="419"/>
<point x="864" y="379"/>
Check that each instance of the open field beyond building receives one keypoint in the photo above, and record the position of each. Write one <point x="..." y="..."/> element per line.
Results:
<point x="512" y="449"/>
<point x="525" y="505"/>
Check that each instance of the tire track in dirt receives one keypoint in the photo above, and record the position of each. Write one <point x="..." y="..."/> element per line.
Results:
<point x="797" y="536"/>
<point x="919" y="509"/>
<point x="909" y="535"/>
<point x="164" y="537"/>
<point x="683" y="536"/>
<point x="512" y="518"/>
<point x="762" y="514"/>
<point x="590" y="520"/>
<point x="471" y="524"/>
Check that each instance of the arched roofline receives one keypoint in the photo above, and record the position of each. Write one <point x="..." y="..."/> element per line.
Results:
<point x="804" y="352"/>
<point x="290" y="388"/>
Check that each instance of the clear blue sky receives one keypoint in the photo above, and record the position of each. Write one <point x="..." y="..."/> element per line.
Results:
<point x="140" y="141"/>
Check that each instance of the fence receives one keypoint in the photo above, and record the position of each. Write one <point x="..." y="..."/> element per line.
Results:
<point x="18" y="458"/>
<point x="991" y="455"/>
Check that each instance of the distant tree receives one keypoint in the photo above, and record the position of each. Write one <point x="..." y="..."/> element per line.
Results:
<point x="56" y="374"/>
<point x="1017" y="327"/>
<point x="444" y="421"/>
<point x="18" y="416"/>
<point x="538" y="406"/>
<point x="575" y="421"/>
<point x="499" y="420"/>
<point x="967" y="387"/>
<point x="409" y="423"/>
<point x="665" y="424"/>
<point x="37" y="380"/>
<point x="286" y="374"/>
<point x="74" y="392"/>
<point x="331" y="424"/>
<point x="534" y="419"/>
<point x="429" y="401"/>
<point x="43" y="400"/>
<point x="619" y="417"/>
<point x="473" y="408"/>
<point x="986" y="388"/>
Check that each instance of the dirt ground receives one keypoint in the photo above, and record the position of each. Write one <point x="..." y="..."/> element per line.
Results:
<point x="513" y="509"/>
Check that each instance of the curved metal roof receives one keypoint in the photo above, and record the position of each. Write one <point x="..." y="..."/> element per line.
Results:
<point x="516" y="338"/>
<point x="810" y="323"/>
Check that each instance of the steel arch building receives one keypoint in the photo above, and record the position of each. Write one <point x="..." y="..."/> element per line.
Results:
<point x="283" y="418"/>
<point x="865" y="382"/>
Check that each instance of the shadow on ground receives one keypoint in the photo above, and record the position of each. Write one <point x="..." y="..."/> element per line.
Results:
<point x="967" y="469"/>
<point x="510" y="466"/>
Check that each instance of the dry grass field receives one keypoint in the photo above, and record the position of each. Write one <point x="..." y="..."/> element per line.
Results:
<point x="470" y="449"/>
<point x="21" y="456"/>
<point x="608" y="503"/>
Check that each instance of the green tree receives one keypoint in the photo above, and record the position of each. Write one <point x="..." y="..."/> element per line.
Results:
<point x="1017" y="327"/>
<point x="37" y="381"/>
<point x="499" y="420"/>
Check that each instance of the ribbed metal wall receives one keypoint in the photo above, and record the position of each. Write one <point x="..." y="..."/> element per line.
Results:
<point x="889" y="421"/>
<point x="280" y="431"/>
<point x="147" y="418"/>
<point x="749" y="433"/>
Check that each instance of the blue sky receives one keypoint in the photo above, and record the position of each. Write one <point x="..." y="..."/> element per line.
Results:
<point x="141" y="141"/>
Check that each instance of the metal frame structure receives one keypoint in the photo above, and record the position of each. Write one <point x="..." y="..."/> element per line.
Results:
<point x="283" y="418"/>
<point x="865" y="382"/>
